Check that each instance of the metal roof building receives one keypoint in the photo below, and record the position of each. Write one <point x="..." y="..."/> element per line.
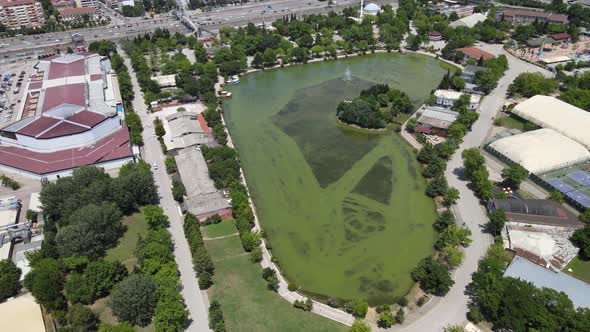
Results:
<point x="541" y="150"/>
<point x="535" y="211"/>
<point x="468" y="21"/>
<point x="437" y="117"/>
<point x="552" y="113"/>
<point x="577" y="290"/>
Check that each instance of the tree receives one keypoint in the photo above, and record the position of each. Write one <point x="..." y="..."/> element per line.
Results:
<point x="45" y="281"/>
<point x="9" y="279"/>
<point x="400" y="102"/>
<point x="585" y="216"/>
<point x="581" y="239"/>
<point x="514" y="175"/>
<point x="81" y="318"/>
<point x="258" y="60"/>
<point x="170" y="314"/>
<point x="155" y="217"/>
<point x="360" y="326"/>
<point x="385" y="320"/>
<point x="453" y="236"/>
<point x="170" y="163"/>
<point x="121" y="327"/>
<point x="134" y="299"/>
<point x="101" y="276"/>
<point x="361" y="113"/>
<point x="531" y="84"/>
<point x="216" y="321"/>
<point x="472" y="160"/>
<point x="444" y="220"/>
<point x="451" y="196"/>
<point x="357" y="308"/>
<point x="400" y="316"/>
<point x="452" y="256"/>
<point x="91" y="230"/>
<point x="437" y="187"/>
<point x="77" y="289"/>
<point x="556" y="196"/>
<point x="433" y="277"/>
<point x="497" y="220"/>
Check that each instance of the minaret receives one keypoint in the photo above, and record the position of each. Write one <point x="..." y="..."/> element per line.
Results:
<point x="362" y="8"/>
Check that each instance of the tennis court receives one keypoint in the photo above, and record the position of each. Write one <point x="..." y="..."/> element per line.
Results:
<point x="573" y="182"/>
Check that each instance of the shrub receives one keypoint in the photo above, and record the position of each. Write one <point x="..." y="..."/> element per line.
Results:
<point x="306" y="305"/>
<point x="256" y="255"/>
<point x="292" y="286"/>
<point x="170" y="163"/>
<point x="205" y="280"/>
<point x="357" y="308"/>
<point x="81" y="318"/>
<point x="385" y="320"/>
<point x="216" y="321"/>
<point x="9" y="279"/>
<point x="433" y="277"/>
<point x="421" y="301"/>
<point x="271" y="278"/>
<point x="475" y="315"/>
<point x="250" y="240"/>
<point x="9" y="182"/>
<point x="400" y="316"/>
<point x="403" y="301"/>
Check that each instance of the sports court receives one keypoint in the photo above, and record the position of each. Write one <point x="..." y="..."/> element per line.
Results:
<point x="573" y="182"/>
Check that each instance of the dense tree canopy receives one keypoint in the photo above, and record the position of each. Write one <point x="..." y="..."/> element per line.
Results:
<point x="134" y="299"/>
<point x="433" y="277"/>
<point x="361" y="113"/>
<point x="531" y="84"/>
<point x="9" y="279"/>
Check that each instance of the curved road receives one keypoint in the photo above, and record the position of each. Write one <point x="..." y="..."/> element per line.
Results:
<point x="452" y="309"/>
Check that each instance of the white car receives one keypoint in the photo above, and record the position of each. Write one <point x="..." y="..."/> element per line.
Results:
<point x="155" y="166"/>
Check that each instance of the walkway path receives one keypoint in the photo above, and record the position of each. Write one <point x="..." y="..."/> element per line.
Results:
<point x="196" y="300"/>
<point x="220" y="237"/>
<point x="452" y="309"/>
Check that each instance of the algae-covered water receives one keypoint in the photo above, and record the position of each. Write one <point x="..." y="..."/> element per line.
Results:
<point x="344" y="211"/>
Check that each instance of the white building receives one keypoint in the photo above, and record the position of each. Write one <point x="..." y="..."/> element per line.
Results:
<point x="447" y="98"/>
<point x="371" y="9"/>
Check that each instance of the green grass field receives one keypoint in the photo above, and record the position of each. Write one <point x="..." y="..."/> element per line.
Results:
<point x="225" y="227"/>
<point x="345" y="210"/>
<point x="125" y="251"/>
<point x="246" y="302"/>
<point x="580" y="268"/>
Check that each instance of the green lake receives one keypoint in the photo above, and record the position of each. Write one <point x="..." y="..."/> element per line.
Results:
<point x="344" y="211"/>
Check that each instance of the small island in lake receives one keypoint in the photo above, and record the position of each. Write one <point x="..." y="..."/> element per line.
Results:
<point x="375" y="108"/>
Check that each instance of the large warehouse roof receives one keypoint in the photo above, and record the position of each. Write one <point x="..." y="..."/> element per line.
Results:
<point x="541" y="150"/>
<point x="552" y="113"/>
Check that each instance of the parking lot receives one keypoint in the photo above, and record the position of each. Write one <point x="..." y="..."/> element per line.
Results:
<point x="13" y="81"/>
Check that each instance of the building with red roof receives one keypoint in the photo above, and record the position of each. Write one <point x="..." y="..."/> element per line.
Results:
<point x="564" y="36"/>
<point x="68" y="118"/>
<point x="74" y="14"/>
<point x="475" y="53"/>
<point x="16" y="14"/>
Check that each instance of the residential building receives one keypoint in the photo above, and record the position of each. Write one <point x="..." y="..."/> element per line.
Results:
<point x="88" y="3"/>
<point x="470" y="72"/>
<point x="528" y="16"/>
<point x="16" y="14"/>
<point x="446" y="98"/>
<point x="561" y="37"/>
<point x="475" y="53"/>
<point x="75" y="14"/>
<point x="63" y="4"/>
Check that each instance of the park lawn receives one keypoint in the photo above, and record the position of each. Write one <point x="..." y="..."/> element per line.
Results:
<point x="580" y="268"/>
<point x="103" y="311"/>
<point x="225" y="227"/>
<point x="125" y="251"/>
<point x="246" y="302"/>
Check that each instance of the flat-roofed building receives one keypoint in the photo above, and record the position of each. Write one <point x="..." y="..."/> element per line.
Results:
<point x="16" y="14"/>
<point x="185" y="129"/>
<point x="470" y="71"/>
<point x="446" y="98"/>
<point x="529" y="16"/>
<point x="22" y="314"/>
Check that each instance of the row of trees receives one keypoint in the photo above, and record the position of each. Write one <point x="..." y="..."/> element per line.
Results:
<point x="202" y="262"/>
<point x="476" y="172"/>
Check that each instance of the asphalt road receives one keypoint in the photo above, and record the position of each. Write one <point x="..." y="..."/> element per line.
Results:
<point x="196" y="300"/>
<point x="452" y="308"/>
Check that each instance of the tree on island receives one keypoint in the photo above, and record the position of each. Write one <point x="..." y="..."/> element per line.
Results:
<point x="361" y="113"/>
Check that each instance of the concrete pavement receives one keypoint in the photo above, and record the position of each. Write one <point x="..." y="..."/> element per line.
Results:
<point x="196" y="300"/>
<point x="452" y="308"/>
